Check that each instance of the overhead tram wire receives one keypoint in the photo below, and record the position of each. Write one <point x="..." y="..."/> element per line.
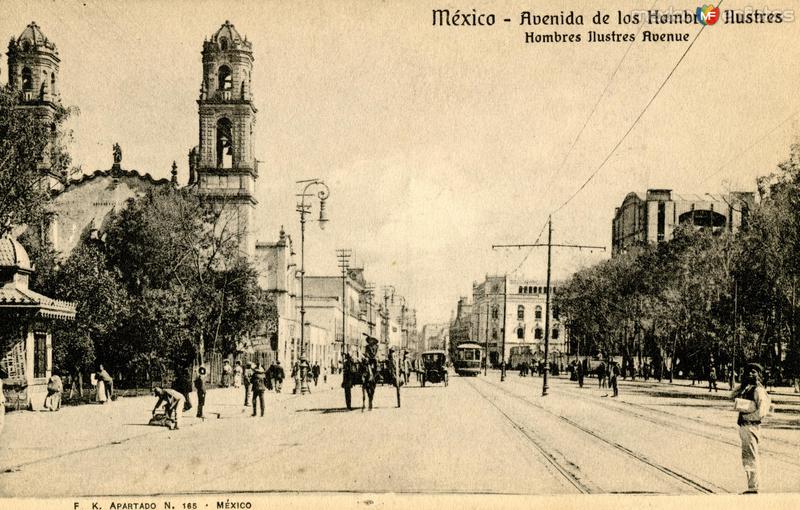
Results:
<point x="530" y="250"/>
<point x="635" y="122"/>
<point x="749" y="147"/>
<point x="600" y="99"/>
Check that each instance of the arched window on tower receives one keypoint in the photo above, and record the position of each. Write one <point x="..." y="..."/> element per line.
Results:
<point x="223" y="43"/>
<point x="520" y="312"/>
<point x="538" y="312"/>
<point x="224" y="143"/>
<point x="225" y="80"/>
<point x="27" y="79"/>
<point x="52" y="83"/>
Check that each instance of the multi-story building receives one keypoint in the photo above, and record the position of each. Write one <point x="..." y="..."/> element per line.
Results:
<point x="509" y="312"/>
<point x="331" y="301"/>
<point x="277" y="275"/>
<point x="654" y="217"/>
<point x="461" y="326"/>
<point x="434" y="336"/>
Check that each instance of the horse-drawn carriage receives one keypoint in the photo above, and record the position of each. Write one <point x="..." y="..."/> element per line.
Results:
<point x="434" y="367"/>
<point x="367" y="373"/>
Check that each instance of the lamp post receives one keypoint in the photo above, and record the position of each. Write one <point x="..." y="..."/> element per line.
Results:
<point x="304" y="209"/>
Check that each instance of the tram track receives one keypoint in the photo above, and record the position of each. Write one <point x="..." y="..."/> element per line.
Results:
<point x="567" y="473"/>
<point x="703" y="487"/>
<point x="623" y="407"/>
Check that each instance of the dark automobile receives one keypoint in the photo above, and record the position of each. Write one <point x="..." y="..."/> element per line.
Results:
<point x="434" y="367"/>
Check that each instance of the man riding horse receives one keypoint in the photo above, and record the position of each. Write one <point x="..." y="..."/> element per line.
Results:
<point x="365" y="373"/>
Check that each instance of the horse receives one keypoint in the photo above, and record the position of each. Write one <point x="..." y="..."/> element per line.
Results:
<point x="369" y="380"/>
<point x="364" y="374"/>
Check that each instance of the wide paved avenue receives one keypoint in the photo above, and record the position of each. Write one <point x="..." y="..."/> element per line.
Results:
<point x="478" y="435"/>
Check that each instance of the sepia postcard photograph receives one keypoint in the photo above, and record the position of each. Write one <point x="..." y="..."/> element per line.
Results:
<point x="399" y="254"/>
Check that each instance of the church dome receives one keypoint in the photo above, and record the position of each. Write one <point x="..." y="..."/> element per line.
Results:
<point x="227" y="37"/>
<point x="33" y="37"/>
<point x="12" y="254"/>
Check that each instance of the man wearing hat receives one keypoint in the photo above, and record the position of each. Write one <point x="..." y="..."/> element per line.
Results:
<point x="752" y="402"/>
<point x="200" y="386"/>
<point x="259" y="384"/>
<point x="371" y="354"/>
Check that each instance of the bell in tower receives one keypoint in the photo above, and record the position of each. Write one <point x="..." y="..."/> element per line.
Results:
<point x="226" y="166"/>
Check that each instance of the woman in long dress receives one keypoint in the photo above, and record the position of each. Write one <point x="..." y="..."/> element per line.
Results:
<point x="101" y="391"/>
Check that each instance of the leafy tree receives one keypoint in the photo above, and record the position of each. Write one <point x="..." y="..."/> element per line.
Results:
<point x="102" y="304"/>
<point x="32" y="147"/>
<point x="178" y="257"/>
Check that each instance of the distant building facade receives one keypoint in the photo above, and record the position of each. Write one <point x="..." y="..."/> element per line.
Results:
<point x="510" y="311"/>
<point x="654" y="217"/>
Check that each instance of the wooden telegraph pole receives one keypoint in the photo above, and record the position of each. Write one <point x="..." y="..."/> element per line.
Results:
<point x="550" y="246"/>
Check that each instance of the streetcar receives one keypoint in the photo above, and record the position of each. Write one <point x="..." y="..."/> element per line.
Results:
<point x="468" y="359"/>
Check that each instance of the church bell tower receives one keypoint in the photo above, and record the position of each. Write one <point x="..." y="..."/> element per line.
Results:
<point x="224" y="166"/>
<point x="33" y="72"/>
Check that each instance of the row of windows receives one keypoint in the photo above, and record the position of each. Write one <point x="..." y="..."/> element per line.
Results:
<point x="521" y="312"/>
<point x="533" y="290"/>
<point x="537" y="333"/>
<point x="537" y="312"/>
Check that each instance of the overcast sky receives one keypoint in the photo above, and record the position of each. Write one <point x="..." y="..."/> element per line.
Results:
<point x="436" y="142"/>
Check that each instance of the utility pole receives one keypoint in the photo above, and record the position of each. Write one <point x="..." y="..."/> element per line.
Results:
<point x="344" y="264"/>
<point x="550" y="246"/>
<point x="486" y="339"/>
<point x="505" y="318"/>
<point x="370" y="290"/>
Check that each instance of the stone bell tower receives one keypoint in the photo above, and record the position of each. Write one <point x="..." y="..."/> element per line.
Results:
<point x="224" y="166"/>
<point x="33" y="71"/>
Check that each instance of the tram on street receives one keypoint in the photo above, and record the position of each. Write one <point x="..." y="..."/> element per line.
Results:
<point x="468" y="359"/>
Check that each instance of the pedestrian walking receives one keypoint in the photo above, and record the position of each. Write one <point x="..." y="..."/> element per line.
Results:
<point x="108" y="383"/>
<point x="304" y="372"/>
<point x="601" y="375"/>
<point x="259" y="385"/>
<point x="712" y="378"/>
<point x="315" y="373"/>
<point x="173" y="404"/>
<point x="579" y="370"/>
<point x="613" y="374"/>
<point x="200" y="387"/>
<point x="55" y="387"/>
<point x="226" y="373"/>
<point x="246" y="376"/>
<point x="325" y="375"/>
<point x="296" y="376"/>
<point x="279" y="376"/>
<point x="237" y="374"/>
<point x="752" y="402"/>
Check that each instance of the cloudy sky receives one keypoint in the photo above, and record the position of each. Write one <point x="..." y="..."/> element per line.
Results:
<point x="437" y="142"/>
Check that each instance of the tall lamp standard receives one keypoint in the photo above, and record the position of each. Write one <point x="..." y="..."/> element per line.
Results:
<point x="305" y="209"/>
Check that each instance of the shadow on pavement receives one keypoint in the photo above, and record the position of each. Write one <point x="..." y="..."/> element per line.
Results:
<point x="328" y="410"/>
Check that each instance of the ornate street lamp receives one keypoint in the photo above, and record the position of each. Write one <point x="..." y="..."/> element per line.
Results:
<point x="305" y="209"/>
